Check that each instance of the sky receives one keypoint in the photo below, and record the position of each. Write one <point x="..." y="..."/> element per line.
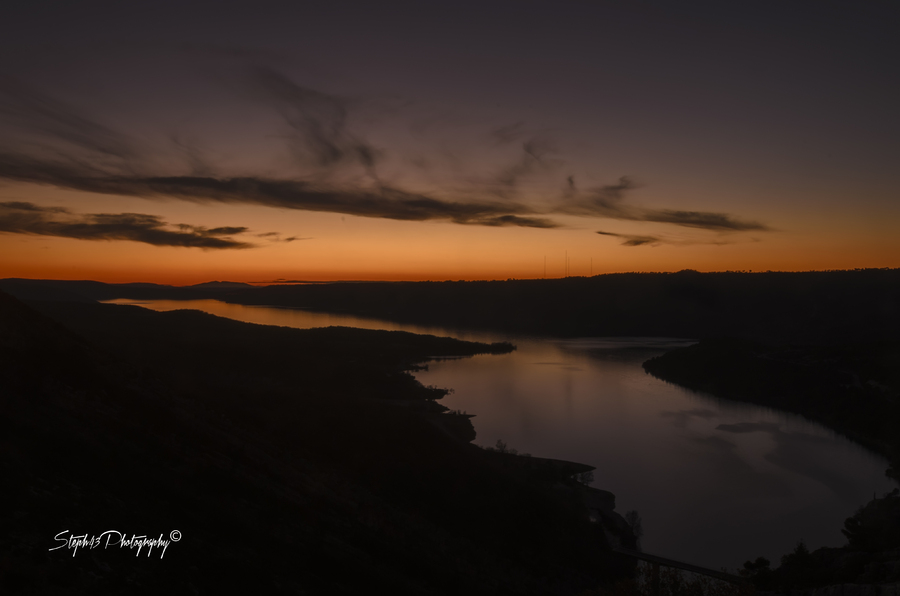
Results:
<point x="183" y="142"/>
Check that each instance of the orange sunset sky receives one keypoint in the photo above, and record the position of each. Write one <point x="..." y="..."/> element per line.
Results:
<point x="336" y="141"/>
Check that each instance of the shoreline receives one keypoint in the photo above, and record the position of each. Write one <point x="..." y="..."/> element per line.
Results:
<point x="850" y="390"/>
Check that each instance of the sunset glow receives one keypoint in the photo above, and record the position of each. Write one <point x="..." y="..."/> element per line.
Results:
<point x="292" y="155"/>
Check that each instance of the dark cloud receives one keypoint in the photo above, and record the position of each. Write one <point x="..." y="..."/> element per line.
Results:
<point x="610" y="195"/>
<point x="192" y="154"/>
<point x="71" y="151"/>
<point x="22" y="206"/>
<point x="534" y="158"/>
<point x="382" y="201"/>
<point x="320" y="134"/>
<point x="37" y="113"/>
<point x="317" y="122"/>
<point x="702" y="219"/>
<point x="642" y="240"/>
<point x="515" y="220"/>
<point x="608" y="201"/>
<point x="27" y="218"/>
<point x="605" y="201"/>
<point x="226" y="231"/>
<point x="276" y="237"/>
<point x="634" y="240"/>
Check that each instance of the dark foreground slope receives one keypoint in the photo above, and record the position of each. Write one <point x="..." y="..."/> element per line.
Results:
<point x="815" y="306"/>
<point x="290" y="461"/>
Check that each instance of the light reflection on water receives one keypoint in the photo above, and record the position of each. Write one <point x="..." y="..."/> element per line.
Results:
<point x="715" y="482"/>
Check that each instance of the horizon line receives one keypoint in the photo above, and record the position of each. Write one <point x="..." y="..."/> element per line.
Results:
<point x="280" y="281"/>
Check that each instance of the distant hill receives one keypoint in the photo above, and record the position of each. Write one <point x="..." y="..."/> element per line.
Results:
<point x="813" y="307"/>
<point x="221" y="285"/>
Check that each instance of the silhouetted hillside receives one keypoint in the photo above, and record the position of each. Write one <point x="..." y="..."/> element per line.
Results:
<point x="822" y="307"/>
<point x="290" y="461"/>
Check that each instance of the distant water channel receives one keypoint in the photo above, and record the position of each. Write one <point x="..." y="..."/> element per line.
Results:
<point x="715" y="482"/>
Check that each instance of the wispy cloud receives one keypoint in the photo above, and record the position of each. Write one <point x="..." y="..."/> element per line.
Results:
<point x="380" y="201"/>
<point x="647" y="240"/>
<point x="277" y="237"/>
<point x="535" y="157"/>
<point x="28" y="218"/>
<point x="317" y="122"/>
<point x="609" y="202"/>
<point x="633" y="239"/>
<point x="706" y="220"/>
<point x="39" y="114"/>
<point x="69" y="150"/>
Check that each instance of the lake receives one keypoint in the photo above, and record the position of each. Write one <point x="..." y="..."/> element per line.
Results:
<point x="715" y="482"/>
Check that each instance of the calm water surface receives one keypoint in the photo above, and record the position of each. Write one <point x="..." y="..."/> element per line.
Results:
<point x="715" y="482"/>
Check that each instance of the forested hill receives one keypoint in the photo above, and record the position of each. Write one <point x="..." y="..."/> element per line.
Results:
<point x="815" y="306"/>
